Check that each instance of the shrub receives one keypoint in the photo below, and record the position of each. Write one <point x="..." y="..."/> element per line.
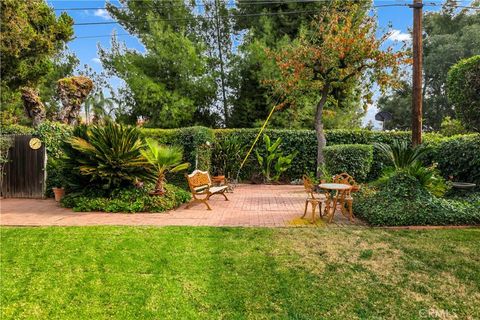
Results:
<point x="355" y="159"/>
<point x="403" y="201"/>
<point x="458" y="157"/>
<point x="273" y="156"/>
<point x="463" y="83"/>
<point x="15" y="129"/>
<point x="450" y="127"/>
<point x="227" y="155"/>
<point x="53" y="136"/>
<point x="109" y="156"/>
<point x="128" y="200"/>
<point x="401" y="154"/>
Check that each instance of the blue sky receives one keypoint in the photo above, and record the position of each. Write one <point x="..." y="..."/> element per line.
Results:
<point x="88" y="37"/>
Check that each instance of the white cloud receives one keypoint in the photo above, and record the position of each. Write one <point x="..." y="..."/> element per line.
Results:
<point x="398" y="35"/>
<point x="102" y="13"/>
<point x="96" y="60"/>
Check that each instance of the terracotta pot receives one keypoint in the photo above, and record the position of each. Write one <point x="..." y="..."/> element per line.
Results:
<point x="59" y="193"/>
<point x="218" y="179"/>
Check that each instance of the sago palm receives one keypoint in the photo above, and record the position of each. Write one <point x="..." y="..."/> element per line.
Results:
<point x="108" y="155"/>
<point x="163" y="159"/>
<point x="401" y="154"/>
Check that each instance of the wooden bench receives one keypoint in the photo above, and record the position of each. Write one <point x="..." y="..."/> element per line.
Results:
<point x="201" y="187"/>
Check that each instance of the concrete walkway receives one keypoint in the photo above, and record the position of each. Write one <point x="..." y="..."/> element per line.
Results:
<point x="249" y="206"/>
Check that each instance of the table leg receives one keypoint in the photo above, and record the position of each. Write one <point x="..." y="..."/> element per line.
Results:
<point x="340" y="194"/>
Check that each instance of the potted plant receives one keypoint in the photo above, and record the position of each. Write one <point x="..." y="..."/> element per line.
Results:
<point x="55" y="179"/>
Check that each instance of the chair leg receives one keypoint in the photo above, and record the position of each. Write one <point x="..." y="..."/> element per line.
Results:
<point x="314" y="205"/>
<point x="305" y="211"/>
<point x="350" y="209"/>
<point x="225" y="196"/>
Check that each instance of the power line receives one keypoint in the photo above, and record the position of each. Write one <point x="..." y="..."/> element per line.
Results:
<point x="195" y="18"/>
<point x="250" y="15"/>
<point x="232" y="4"/>
<point x="203" y="5"/>
<point x="232" y="16"/>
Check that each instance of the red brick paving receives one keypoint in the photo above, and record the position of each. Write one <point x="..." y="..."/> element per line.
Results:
<point x="249" y="206"/>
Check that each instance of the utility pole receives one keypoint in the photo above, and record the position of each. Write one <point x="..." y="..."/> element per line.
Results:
<point x="222" y="68"/>
<point x="417" y="73"/>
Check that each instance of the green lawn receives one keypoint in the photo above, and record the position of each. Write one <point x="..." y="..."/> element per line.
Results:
<point x="234" y="273"/>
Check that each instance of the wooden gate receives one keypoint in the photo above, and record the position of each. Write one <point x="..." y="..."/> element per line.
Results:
<point x="25" y="172"/>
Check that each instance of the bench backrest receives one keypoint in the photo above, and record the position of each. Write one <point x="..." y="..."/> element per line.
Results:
<point x="198" y="179"/>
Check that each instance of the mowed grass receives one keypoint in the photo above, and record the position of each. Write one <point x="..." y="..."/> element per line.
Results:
<point x="235" y="273"/>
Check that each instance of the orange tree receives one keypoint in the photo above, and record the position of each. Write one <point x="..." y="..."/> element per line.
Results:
<point x="338" y="50"/>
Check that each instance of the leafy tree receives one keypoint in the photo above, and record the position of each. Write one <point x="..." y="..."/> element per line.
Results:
<point x="338" y="49"/>
<point x="168" y="84"/>
<point x="399" y="104"/>
<point x="251" y="99"/>
<point x="464" y="91"/>
<point x="215" y="28"/>
<point x="449" y="36"/>
<point x="31" y="36"/>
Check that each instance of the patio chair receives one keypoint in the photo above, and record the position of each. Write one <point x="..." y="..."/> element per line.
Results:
<point x="345" y="178"/>
<point x="202" y="189"/>
<point x="314" y="198"/>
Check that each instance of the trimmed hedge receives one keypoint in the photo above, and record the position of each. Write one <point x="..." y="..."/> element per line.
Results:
<point x="303" y="141"/>
<point x="355" y="159"/>
<point x="458" y="155"/>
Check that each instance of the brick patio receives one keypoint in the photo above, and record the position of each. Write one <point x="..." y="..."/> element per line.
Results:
<point x="249" y="206"/>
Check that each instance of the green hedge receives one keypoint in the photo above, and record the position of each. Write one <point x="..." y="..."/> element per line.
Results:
<point x="303" y="141"/>
<point x="458" y="156"/>
<point x="355" y="159"/>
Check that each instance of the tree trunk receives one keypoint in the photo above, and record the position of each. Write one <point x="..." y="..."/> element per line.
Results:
<point x="34" y="107"/>
<point x="321" y="141"/>
<point x="159" y="189"/>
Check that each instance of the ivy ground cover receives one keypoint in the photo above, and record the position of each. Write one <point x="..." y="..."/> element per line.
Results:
<point x="235" y="273"/>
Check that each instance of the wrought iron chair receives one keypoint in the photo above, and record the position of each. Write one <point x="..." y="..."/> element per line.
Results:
<point x="345" y="178"/>
<point x="314" y="198"/>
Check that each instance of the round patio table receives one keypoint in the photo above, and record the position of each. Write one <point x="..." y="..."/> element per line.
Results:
<point x="340" y="190"/>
